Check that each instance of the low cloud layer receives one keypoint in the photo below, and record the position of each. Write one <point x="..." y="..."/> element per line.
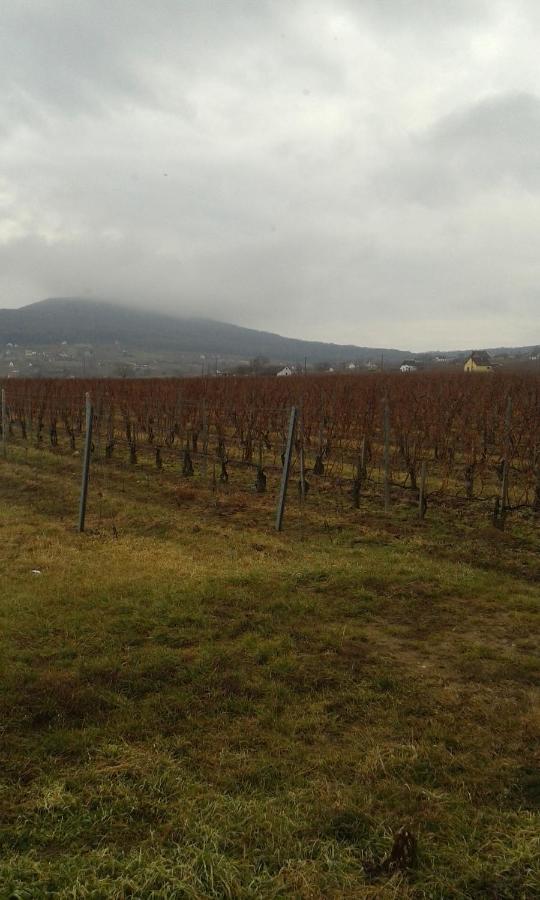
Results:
<point x="362" y="171"/>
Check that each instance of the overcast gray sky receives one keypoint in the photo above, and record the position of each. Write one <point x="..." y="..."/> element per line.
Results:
<point x="363" y="172"/>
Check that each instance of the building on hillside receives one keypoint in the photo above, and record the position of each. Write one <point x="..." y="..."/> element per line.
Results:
<point x="408" y="365"/>
<point x="288" y="370"/>
<point x="478" y="361"/>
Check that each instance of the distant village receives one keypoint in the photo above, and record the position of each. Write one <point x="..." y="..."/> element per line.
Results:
<point x="472" y="361"/>
<point x="84" y="360"/>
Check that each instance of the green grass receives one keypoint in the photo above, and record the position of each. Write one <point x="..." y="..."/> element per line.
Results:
<point x="193" y="706"/>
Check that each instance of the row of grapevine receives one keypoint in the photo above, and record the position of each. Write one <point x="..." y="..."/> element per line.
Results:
<point x="472" y="432"/>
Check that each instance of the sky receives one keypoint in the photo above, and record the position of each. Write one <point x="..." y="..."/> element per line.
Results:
<point x="362" y="172"/>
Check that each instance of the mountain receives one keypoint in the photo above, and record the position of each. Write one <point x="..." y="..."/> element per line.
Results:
<point x="76" y="321"/>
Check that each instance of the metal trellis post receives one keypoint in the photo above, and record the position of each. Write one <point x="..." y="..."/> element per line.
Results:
<point x="86" y="463"/>
<point x="286" y="470"/>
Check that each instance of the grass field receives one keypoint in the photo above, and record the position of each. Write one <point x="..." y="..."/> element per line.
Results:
<point x="193" y="706"/>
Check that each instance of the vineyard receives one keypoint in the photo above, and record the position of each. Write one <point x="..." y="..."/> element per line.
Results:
<point x="195" y="704"/>
<point x="419" y="439"/>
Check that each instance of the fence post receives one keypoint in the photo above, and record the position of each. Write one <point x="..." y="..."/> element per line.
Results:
<point x="286" y="470"/>
<point x="86" y="463"/>
<point x="386" y="456"/>
<point x="422" y="503"/>
<point x="4" y="424"/>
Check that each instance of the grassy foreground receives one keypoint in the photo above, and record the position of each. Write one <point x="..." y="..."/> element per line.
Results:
<point x="193" y="706"/>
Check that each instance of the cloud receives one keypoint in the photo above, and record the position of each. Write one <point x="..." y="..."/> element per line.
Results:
<point x="479" y="148"/>
<point x="347" y="171"/>
<point x="494" y="141"/>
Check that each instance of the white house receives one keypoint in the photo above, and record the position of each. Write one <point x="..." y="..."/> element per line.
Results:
<point x="408" y="365"/>
<point x="286" y="371"/>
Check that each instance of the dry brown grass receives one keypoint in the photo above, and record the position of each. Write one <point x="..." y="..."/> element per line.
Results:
<point x="198" y="707"/>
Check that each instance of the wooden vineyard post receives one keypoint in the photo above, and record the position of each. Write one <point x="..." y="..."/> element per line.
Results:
<point x="422" y="502"/>
<point x="286" y="470"/>
<point x="386" y="456"/>
<point x="4" y="424"/>
<point x="86" y="463"/>
<point x="502" y="506"/>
